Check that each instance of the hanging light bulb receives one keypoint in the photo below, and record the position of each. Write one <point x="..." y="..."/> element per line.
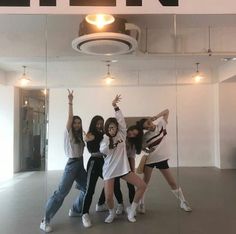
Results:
<point x="24" y="80"/>
<point x="109" y="78"/>
<point x="197" y="76"/>
<point x="44" y="91"/>
<point x="100" y="20"/>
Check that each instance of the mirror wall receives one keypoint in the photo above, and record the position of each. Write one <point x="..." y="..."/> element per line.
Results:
<point x="205" y="129"/>
<point x="160" y="75"/>
<point x="22" y="121"/>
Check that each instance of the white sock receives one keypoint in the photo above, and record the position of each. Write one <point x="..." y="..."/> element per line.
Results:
<point x="179" y="194"/>
<point x="143" y="198"/>
<point x="134" y="206"/>
<point x="112" y="211"/>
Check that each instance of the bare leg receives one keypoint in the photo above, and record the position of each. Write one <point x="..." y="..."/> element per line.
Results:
<point x="176" y="191"/>
<point x="109" y="191"/>
<point x="169" y="178"/>
<point x="146" y="177"/>
<point x="132" y="178"/>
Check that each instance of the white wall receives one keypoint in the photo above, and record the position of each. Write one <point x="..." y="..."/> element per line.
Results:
<point x="227" y="113"/>
<point x="2" y="77"/>
<point x="16" y="130"/>
<point x="6" y="131"/>
<point x="195" y="114"/>
<point x="196" y="125"/>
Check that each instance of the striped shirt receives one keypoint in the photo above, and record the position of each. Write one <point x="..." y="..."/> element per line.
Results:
<point x="157" y="140"/>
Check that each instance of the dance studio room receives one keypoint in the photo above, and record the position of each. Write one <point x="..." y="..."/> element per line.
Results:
<point x="160" y="69"/>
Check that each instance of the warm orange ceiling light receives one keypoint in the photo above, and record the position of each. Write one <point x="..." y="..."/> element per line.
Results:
<point x="109" y="78"/>
<point x="198" y="77"/>
<point x="100" y="20"/>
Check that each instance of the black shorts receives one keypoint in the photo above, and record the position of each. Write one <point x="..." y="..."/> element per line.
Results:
<point x="159" y="165"/>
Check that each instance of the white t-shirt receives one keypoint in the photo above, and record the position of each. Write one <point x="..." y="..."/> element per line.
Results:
<point x="72" y="149"/>
<point x="116" y="161"/>
<point x="157" y="140"/>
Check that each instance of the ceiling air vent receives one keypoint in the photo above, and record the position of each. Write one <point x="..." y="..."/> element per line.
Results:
<point x="119" y="37"/>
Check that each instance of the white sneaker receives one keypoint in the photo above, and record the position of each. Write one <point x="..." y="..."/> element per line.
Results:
<point x="110" y="217"/>
<point x="45" y="226"/>
<point x="73" y="213"/>
<point x="130" y="215"/>
<point x="86" y="220"/>
<point x="141" y="208"/>
<point x="185" y="206"/>
<point x="119" y="209"/>
<point x="101" y="208"/>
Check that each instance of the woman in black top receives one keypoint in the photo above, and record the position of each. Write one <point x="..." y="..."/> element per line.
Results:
<point x="95" y="164"/>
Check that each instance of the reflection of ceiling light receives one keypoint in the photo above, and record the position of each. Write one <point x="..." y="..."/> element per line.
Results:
<point x="24" y="80"/>
<point x="197" y="76"/>
<point x="108" y="78"/>
<point x="229" y="59"/>
<point x="100" y="20"/>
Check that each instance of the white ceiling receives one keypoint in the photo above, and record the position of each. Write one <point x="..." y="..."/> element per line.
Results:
<point x="43" y="43"/>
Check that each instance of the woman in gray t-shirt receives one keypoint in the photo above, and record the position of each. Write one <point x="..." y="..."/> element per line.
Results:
<point x="74" y="170"/>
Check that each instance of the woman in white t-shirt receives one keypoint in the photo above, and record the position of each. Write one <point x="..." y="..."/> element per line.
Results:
<point x="133" y="147"/>
<point x="74" y="170"/>
<point x="155" y="143"/>
<point x="116" y="163"/>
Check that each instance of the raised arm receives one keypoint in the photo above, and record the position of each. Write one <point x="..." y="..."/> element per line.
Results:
<point x="164" y="114"/>
<point x="70" y="110"/>
<point x="118" y="114"/>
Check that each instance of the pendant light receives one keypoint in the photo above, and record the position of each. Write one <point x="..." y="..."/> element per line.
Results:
<point x="24" y="79"/>
<point x="198" y="76"/>
<point x="108" y="78"/>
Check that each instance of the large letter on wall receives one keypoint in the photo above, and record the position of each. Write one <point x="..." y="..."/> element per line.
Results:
<point x="134" y="2"/>
<point x="92" y="3"/>
<point x="169" y="2"/>
<point x="48" y="2"/>
<point x="15" y="3"/>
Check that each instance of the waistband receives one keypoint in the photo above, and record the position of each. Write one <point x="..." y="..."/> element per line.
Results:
<point x="75" y="159"/>
<point x="97" y="155"/>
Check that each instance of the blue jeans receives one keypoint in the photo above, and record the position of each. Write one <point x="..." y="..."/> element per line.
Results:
<point x="74" y="171"/>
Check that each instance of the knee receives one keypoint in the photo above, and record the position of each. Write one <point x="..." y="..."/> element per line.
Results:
<point x="59" y="196"/>
<point x="143" y="186"/>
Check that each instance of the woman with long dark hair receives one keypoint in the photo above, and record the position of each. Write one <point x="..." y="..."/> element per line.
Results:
<point x="155" y="143"/>
<point x="133" y="147"/>
<point x="116" y="163"/>
<point x="95" y="164"/>
<point x="74" y="170"/>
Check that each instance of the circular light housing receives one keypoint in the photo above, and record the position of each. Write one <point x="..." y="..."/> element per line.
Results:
<point x="105" y="43"/>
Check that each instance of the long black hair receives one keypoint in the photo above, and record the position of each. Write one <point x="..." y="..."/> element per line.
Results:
<point x="77" y="134"/>
<point x="107" y="123"/>
<point x="93" y="123"/>
<point x="94" y="145"/>
<point x="136" y="141"/>
<point x="141" y="122"/>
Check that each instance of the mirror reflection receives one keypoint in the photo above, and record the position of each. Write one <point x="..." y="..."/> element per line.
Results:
<point x="171" y="136"/>
<point x="22" y="121"/>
